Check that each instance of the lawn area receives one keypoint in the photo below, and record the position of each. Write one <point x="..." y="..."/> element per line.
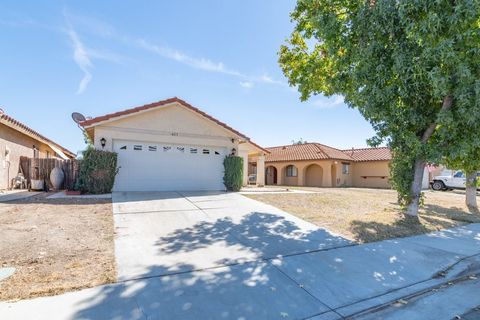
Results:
<point x="56" y="245"/>
<point x="367" y="215"/>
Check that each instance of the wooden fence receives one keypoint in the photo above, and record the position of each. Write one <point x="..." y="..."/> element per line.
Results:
<point x="40" y="169"/>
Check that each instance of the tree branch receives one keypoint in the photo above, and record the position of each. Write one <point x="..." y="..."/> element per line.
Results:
<point x="447" y="104"/>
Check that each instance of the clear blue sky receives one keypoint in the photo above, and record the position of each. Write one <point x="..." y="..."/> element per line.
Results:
<point x="97" y="57"/>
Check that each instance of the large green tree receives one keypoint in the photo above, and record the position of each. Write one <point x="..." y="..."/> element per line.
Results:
<point x="405" y="65"/>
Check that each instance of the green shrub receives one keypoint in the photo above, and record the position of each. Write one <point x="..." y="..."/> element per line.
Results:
<point x="97" y="171"/>
<point x="233" y="178"/>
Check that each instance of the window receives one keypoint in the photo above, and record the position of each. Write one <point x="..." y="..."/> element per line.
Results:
<point x="181" y="149"/>
<point x="459" y="174"/>
<point x="217" y="153"/>
<point x="137" y="147"/>
<point x="123" y="148"/>
<point x="48" y="154"/>
<point x="291" y="171"/>
<point x="152" y="148"/>
<point x="345" y="168"/>
<point x="193" y="150"/>
<point x="206" y="151"/>
<point x="166" y="149"/>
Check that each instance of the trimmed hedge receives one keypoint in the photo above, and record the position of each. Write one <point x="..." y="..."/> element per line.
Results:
<point x="97" y="171"/>
<point x="233" y="178"/>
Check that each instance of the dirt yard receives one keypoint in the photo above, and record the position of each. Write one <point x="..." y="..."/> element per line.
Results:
<point x="366" y="215"/>
<point x="55" y="245"/>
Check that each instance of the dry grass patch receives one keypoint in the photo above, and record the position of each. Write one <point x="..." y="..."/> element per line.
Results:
<point x="56" y="245"/>
<point x="367" y="215"/>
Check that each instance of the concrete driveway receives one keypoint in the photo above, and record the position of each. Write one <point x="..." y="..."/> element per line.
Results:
<point x="160" y="233"/>
<point x="223" y="256"/>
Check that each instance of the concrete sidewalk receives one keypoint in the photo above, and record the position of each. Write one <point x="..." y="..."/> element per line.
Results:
<point x="434" y="276"/>
<point x="13" y="195"/>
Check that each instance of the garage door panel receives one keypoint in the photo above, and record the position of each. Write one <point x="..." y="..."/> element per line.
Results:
<point x="162" y="167"/>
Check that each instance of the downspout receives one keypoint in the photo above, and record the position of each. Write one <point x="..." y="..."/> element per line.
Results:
<point x="8" y="174"/>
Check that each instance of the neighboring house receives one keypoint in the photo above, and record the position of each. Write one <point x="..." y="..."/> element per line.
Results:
<point x="318" y="165"/>
<point x="171" y="145"/>
<point x="17" y="140"/>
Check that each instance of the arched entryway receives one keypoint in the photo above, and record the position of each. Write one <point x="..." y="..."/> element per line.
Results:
<point x="314" y="176"/>
<point x="271" y="175"/>
<point x="334" y="175"/>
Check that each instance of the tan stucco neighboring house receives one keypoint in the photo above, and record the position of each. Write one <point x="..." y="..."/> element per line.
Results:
<point x="371" y="167"/>
<point x="17" y="140"/>
<point x="318" y="165"/>
<point x="171" y="145"/>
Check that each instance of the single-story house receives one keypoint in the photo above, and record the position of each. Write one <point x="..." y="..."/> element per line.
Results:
<point x="171" y="145"/>
<point x="318" y="165"/>
<point x="18" y="140"/>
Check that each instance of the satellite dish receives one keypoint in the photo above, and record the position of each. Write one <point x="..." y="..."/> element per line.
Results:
<point x="78" y="117"/>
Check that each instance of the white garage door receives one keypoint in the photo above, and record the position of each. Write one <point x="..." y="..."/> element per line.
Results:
<point x="148" y="166"/>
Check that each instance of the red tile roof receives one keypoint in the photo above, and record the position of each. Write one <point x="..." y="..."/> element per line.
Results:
<point x="307" y="151"/>
<point x="370" y="154"/>
<point x="93" y="121"/>
<point x="18" y="125"/>
<point x="317" y="151"/>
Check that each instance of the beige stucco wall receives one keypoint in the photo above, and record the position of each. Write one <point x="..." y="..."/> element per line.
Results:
<point x="168" y="124"/>
<point x="19" y="145"/>
<point x="371" y="174"/>
<point x="340" y="179"/>
<point x="332" y="175"/>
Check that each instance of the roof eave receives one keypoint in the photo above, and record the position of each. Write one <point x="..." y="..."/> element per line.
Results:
<point x="24" y="129"/>
<point x="91" y="123"/>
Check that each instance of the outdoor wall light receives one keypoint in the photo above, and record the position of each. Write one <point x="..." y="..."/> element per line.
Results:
<point x="234" y="151"/>
<point x="103" y="142"/>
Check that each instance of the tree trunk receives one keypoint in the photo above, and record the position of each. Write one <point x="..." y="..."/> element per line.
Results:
<point x="471" y="191"/>
<point x="416" y="189"/>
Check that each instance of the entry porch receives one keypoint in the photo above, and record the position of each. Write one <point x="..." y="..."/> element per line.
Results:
<point x="253" y="164"/>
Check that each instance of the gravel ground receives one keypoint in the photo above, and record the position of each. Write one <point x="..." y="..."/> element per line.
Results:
<point x="56" y="245"/>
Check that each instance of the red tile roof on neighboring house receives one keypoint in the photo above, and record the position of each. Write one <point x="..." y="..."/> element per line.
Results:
<point x="15" y="124"/>
<point x="370" y="154"/>
<point x="110" y="116"/>
<point x="306" y="151"/>
<point x="317" y="151"/>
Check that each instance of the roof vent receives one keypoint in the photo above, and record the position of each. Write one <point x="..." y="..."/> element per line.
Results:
<point x="284" y="148"/>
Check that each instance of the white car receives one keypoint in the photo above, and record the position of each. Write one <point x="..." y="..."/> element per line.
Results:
<point x="449" y="182"/>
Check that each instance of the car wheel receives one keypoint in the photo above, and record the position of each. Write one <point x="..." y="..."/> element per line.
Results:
<point x="438" y="185"/>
